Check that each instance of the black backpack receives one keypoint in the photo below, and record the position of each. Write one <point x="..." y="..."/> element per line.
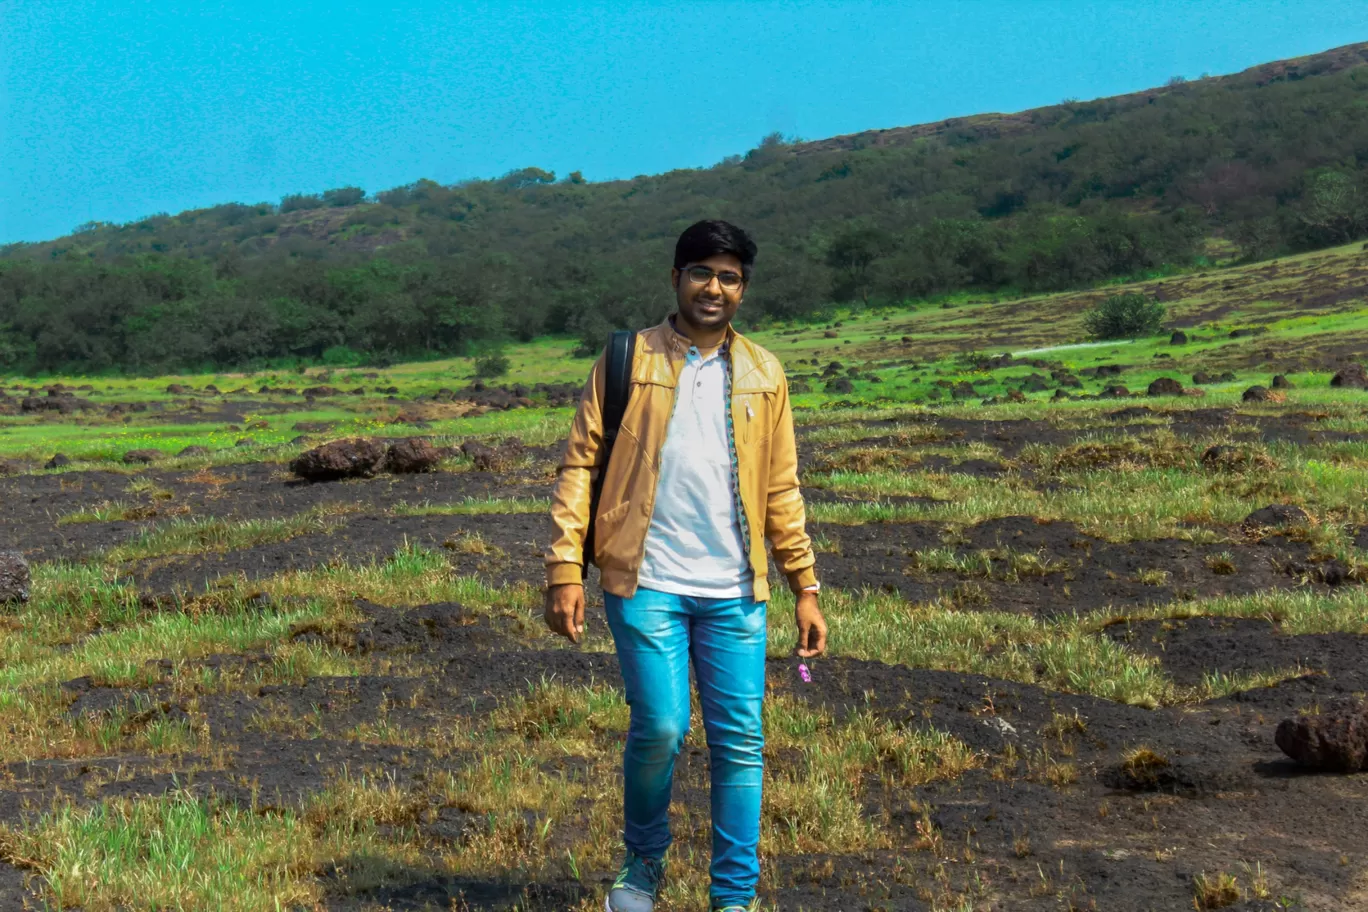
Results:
<point x="617" y="387"/>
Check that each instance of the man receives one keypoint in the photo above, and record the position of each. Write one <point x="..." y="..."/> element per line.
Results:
<point x="703" y="469"/>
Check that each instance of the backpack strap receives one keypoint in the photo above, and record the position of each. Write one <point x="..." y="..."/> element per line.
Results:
<point x="617" y="389"/>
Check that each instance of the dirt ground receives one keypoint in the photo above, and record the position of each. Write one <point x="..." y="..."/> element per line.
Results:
<point x="1224" y="795"/>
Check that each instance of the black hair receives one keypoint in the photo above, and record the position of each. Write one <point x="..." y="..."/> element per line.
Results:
<point x="711" y="237"/>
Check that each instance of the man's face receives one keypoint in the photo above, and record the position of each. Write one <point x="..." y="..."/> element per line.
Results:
<point x="708" y="306"/>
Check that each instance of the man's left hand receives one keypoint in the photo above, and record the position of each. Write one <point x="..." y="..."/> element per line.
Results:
<point x="812" y="627"/>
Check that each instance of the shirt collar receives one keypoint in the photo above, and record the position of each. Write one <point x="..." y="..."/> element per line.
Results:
<point x="683" y="343"/>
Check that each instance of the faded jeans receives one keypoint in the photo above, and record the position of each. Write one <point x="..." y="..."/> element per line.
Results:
<point x="656" y="634"/>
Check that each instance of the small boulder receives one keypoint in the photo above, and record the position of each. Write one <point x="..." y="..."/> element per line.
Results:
<point x="413" y="454"/>
<point x="831" y="334"/>
<point x="1335" y="740"/>
<point x="142" y="457"/>
<point x="1202" y="378"/>
<point x="1281" y="383"/>
<point x="1165" y="386"/>
<point x="1178" y="338"/>
<point x="9" y="468"/>
<point x="354" y="458"/>
<point x="1275" y="516"/>
<point x="178" y="389"/>
<point x="840" y="385"/>
<point x="1351" y="377"/>
<point x="492" y="459"/>
<point x="192" y="451"/>
<point x="1114" y="392"/>
<point x="14" y="578"/>
<point x="1256" y="394"/>
<point x="58" y="460"/>
<point x="245" y="442"/>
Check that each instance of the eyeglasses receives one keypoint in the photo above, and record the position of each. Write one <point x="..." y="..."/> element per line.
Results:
<point x="702" y="275"/>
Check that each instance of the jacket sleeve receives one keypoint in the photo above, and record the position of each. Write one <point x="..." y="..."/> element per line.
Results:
<point x="785" y="517"/>
<point x="579" y="466"/>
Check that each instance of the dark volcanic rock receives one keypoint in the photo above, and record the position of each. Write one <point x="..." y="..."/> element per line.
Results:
<point x="962" y="390"/>
<point x="1352" y="376"/>
<point x="1256" y="394"/>
<point x="840" y="385"/>
<point x="1165" y="386"/>
<point x="1276" y="515"/>
<point x="14" y="578"/>
<point x="413" y="454"/>
<point x="1202" y="378"/>
<point x="9" y="468"/>
<point x="1114" y="392"/>
<point x="142" y="457"/>
<point x="355" y="458"/>
<point x="493" y="459"/>
<point x="1281" y="383"/>
<point x="178" y="389"/>
<point x="1335" y="740"/>
<point x="1178" y="338"/>
<point x="57" y="461"/>
<point x="319" y="392"/>
<point x="194" y="451"/>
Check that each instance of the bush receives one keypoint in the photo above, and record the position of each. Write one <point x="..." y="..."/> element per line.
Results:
<point x="494" y="364"/>
<point x="1125" y="316"/>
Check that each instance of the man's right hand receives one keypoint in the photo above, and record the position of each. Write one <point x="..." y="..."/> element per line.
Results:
<point x="564" y="610"/>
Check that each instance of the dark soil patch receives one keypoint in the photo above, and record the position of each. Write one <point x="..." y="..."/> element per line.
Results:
<point x="1068" y="570"/>
<point x="1192" y="648"/>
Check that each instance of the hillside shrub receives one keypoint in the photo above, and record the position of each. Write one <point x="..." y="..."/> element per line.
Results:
<point x="494" y="364"/>
<point x="1125" y="316"/>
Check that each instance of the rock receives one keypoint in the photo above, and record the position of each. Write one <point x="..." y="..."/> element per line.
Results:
<point x="799" y="386"/>
<point x="245" y="442"/>
<point x="14" y="578"/>
<point x="9" y="468"/>
<point x="1222" y="456"/>
<point x="1178" y="338"/>
<point x="301" y="440"/>
<point x="1276" y="515"/>
<point x="1114" y="392"/>
<point x="319" y="392"/>
<point x="1256" y="394"/>
<point x="1202" y="378"/>
<point x="313" y="427"/>
<point x="58" y="460"/>
<point x="142" y="457"/>
<point x="194" y="451"/>
<point x="413" y="454"/>
<point x="1352" y="377"/>
<point x="1060" y="394"/>
<point x="354" y="458"/>
<point x="1165" y="386"/>
<point x="831" y="334"/>
<point x="1281" y="383"/>
<point x="493" y="459"/>
<point x="1335" y="739"/>
<point x="962" y="390"/>
<point x="840" y="385"/>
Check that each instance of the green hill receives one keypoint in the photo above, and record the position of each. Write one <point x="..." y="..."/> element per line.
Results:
<point x="1269" y="161"/>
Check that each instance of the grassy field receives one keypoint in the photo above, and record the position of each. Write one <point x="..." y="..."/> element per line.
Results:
<point x="1060" y="634"/>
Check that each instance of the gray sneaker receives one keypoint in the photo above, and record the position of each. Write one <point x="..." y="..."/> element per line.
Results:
<point x="637" y="884"/>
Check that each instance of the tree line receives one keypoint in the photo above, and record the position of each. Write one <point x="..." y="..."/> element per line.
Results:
<point x="1056" y="198"/>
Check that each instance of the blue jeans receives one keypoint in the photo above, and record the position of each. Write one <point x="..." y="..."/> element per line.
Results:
<point x="656" y="634"/>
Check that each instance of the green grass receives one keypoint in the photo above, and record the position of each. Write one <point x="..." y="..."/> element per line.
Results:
<point x="476" y="506"/>
<point x="198" y="536"/>
<point x="171" y="852"/>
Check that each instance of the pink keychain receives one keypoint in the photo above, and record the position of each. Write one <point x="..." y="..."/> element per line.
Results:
<point x="804" y="673"/>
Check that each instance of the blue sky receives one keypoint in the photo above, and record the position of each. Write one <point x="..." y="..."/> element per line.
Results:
<point x="115" y="109"/>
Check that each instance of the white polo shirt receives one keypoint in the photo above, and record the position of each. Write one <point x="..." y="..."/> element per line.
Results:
<point x="693" y="545"/>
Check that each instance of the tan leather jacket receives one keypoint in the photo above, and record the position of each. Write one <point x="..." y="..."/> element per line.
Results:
<point x="765" y="451"/>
